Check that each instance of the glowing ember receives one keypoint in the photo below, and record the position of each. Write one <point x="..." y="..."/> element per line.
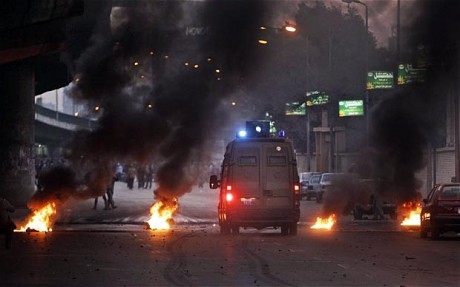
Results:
<point x="324" y="223"/>
<point x="413" y="219"/>
<point x="161" y="214"/>
<point x="40" y="220"/>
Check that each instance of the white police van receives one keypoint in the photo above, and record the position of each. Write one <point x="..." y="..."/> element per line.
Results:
<point x="259" y="183"/>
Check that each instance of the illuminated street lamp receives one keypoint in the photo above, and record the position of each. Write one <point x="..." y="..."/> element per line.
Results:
<point x="288" y="27"/>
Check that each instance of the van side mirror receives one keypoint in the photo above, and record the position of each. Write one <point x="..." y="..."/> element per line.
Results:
<point x="214" y="183"/>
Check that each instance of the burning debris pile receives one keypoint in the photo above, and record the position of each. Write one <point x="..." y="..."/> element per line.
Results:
<point x="411" y="211"/>
<point x="324" y="223"/>
<point x="161" y="214"/>
<point x="41" y="220"/>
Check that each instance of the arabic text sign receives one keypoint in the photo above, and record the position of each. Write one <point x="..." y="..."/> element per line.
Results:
<point x="351" y="108"/>
<point x="316" y="98"/>
<point x="379" y="80"/>
<point x="407" y="74"/>
<point x="295" y="109"/>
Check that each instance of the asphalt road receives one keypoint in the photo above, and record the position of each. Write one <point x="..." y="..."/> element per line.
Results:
<point x="113" y="248"/>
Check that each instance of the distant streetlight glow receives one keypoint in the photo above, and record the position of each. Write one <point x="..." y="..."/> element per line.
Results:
<point x="209" y="59"/>
<point x="233" y="103"/>
<point x="196" y="66"/>
<point x="151" y="53"/>
<point x="290" y="28"/>
<point x="96" y="108"/>
<point x="187" y="63"/>
<point x="166" y="57"/>
<point x="263" y="42"/>
<point x="217" y="71"/>
<point x="136" y="63"/>
<point x="263" y="28"/>
<point x="149" y="106"/>
<point x="75" y="114"/>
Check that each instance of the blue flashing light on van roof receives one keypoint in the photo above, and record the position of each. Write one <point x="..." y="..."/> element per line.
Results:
<point x="258" y="129"/>
<point x="242" y="134"/>
<point x="282" y="134"/>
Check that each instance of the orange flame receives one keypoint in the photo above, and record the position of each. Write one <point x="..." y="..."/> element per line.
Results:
<point x="324" y="223"/>
<point x="413" y="219"/>
<point x="40" y="220"/>
<point x="161" y="214"/>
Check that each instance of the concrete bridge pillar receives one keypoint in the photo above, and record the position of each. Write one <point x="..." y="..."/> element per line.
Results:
<point x="17" y="115"/>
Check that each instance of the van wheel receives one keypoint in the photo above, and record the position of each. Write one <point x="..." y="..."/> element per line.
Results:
<point x="293" y="229"/>
<point x="224" y="229"/>
<point x="284" y="230"/>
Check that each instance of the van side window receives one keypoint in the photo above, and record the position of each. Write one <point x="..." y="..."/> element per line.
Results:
<point x="277" y="160"/>
<point x="247" y="160"/>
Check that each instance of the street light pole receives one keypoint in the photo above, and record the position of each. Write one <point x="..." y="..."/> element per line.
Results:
<point x="307" y="112"/>
<point x="367" y="63"/>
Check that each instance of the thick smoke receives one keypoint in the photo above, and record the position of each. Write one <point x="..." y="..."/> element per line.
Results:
<point x="154" y="107"/>
<point x="404" y="126"/>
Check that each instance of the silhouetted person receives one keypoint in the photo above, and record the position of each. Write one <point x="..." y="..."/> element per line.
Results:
<point x="110" y="190"/>
<point x="131" y="173"/>
<point x="105" y="202"/>
<point x="7" y="225"/>
<point x="141" y="177"/>
<point x="377" y="207"/>
<point x="148" y="177"/>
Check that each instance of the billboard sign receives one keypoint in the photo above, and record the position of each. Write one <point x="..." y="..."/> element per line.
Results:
<point x="351" y="108"/>
<point x="379" y="80"/>
<point x="407" y="74"/>
<point x="295" y="109"/>
<point x="316" y="98"/>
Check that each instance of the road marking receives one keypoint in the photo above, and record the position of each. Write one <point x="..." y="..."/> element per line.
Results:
<point x="343" y="266"/>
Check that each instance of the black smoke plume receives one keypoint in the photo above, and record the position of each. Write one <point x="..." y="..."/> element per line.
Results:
<point x="404" y="126"/>
<point x="152" y="106"/>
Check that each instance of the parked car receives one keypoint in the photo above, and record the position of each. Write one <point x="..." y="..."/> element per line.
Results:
<point x="441" y="210"/>
<point x="313" y="187"/>
<point x="327" y="179"/>
<point x="305" y="179"/>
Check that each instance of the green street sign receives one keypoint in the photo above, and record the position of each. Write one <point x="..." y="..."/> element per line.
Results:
<point x="379" y="80"/>
<point x="351" y="108"/>
<point x="407" y="74"/>
<point x="295" y="109"/>
<point x="316" y="98"/>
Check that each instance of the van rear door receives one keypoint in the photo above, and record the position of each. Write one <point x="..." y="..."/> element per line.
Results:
<point x="276" y="173"/>
<point x="246" y="174"/>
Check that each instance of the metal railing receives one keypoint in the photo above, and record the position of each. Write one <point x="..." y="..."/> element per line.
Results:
<point x="61" y="120"/>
